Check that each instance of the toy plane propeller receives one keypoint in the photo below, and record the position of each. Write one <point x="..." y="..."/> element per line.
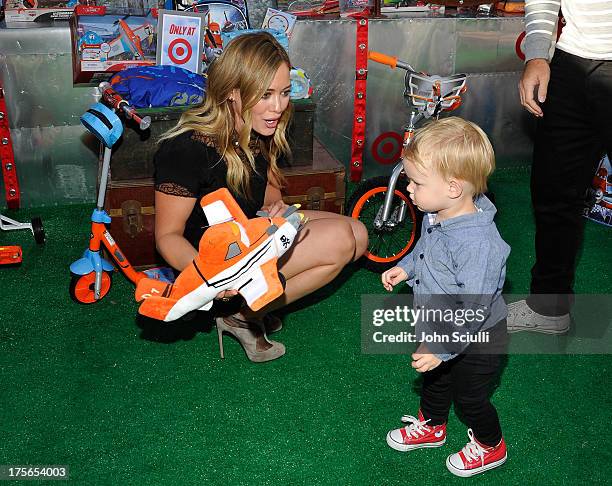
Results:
<point x="235" y="253"/>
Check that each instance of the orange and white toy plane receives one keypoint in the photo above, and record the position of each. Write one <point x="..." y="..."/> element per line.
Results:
<point x="235" y="253"/>
<point x="130" y="40"/>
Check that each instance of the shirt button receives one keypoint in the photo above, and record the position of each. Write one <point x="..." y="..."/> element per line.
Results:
<point x="416" y="281"/>
<point x="429" y="230"/>
<point x="421" y="256"/>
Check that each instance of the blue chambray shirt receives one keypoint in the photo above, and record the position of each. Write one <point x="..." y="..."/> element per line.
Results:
<point x="461" y="256"/>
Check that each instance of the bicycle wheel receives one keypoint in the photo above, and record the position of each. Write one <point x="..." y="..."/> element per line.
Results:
<point x="386" y="245"/>
<point x="38" y="230"/>
<point x="82" y="287"/>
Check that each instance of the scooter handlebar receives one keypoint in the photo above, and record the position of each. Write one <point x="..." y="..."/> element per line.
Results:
<point x="116" y="101"/>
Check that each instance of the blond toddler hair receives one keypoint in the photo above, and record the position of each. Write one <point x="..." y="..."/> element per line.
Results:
<point x="454" y="148"/>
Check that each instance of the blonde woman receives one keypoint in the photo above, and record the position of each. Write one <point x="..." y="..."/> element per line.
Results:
<point x="235" y="140"/>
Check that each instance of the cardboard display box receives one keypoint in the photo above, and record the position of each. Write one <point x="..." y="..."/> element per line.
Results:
<point x="38" y="10"/>
<point x="104" y="44"/>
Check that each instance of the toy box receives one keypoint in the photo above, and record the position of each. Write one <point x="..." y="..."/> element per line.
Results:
<point x="103" y="44"/>
<point x="38" y="10"/>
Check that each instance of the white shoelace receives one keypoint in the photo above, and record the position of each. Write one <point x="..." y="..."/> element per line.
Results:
<point x="473" y="450"/>
<point x="417" y="427"/>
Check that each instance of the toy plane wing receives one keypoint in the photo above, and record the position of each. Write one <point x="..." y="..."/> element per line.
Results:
<point x="129" y="40"/>
<point x="263" y="286"/>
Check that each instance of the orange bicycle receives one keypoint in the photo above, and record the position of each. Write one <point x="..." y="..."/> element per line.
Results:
<point x="382" y="203"/>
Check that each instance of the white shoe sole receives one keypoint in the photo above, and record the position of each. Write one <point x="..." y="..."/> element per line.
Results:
<point x="512" y="330"/>
<point x="406" y="447"/>
<point x="466" y="473"/>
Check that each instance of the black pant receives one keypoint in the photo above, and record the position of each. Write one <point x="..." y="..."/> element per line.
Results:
<point x="467" y="380"/>
<point x="572" y="136"/>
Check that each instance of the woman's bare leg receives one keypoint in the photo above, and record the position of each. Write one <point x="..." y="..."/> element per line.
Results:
<point x="326" y="244"/>
<point x="360" y="232"/>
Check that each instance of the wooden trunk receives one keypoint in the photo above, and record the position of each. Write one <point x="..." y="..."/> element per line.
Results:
<point x="130" y="203"/>
<point x="320" y="185"/>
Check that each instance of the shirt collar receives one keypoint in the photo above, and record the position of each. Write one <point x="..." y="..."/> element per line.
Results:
<point x="484" y="216"/>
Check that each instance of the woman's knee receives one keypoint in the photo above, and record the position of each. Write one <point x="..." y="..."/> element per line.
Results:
<point x="360" y="233"/>
<point x="343" y="247"/>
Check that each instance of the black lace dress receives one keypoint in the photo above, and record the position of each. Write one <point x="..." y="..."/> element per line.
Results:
<point x="190" y="165"/>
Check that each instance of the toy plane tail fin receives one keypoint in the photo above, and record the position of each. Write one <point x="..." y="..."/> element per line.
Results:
<point x="157" y="308"/>
<point x="219" y="206"/>
<point x="148" y="287"/>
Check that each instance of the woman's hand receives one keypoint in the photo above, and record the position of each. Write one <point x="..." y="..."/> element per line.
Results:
<point x="392" y="277"/>
<point x="226" y="294"/>
<point x="277" y="208"/>
<point x="423" y="360"/>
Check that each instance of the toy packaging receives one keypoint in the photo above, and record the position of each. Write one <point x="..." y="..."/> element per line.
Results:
<point x="222" y="18"/>
<point x="38" y="10"/>
<point x="279" y="21"/>
<point x="198" y="5"/>
<point x="393" y="6"/>
<point x="103" y="43"/>
<point x="601" y="210"/>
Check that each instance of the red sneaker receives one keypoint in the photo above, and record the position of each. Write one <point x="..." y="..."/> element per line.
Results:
<point x="416" y="435"/>
<point x="475" y="457"/>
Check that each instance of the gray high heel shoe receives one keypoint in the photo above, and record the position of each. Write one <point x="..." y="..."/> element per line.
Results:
<point x="272" y="323"/>
<point x="247" y="336"/>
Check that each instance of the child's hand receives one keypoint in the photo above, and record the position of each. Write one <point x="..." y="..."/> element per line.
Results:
<point x="423" y="360"/>
<point x="392" y="277"/>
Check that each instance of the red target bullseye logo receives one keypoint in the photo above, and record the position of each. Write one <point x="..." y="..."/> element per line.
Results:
<point x="387" y="148"/>
<point x="179" y="51"/>
<point x="518" y="46"/>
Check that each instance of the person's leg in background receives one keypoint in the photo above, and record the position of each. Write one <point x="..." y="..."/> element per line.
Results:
<point x="570" y="140"/>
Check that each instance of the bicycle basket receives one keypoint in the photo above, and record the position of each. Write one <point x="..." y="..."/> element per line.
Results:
<point x="432" y="94"/>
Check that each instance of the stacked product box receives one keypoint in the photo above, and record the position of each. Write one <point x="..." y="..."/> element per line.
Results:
<point x="38" y="10"/>
<point x="104" y="43"/>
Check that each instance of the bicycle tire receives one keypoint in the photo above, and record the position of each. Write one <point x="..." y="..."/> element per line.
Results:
<point x="387" y="246"/>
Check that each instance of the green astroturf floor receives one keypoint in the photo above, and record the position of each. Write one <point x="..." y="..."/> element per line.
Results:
<point x="127" y="402"/>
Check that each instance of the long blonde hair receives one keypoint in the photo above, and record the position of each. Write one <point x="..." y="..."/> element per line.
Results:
<point x="248" y="64"/>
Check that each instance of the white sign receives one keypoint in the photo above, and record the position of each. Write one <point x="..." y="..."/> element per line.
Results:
<point x="180" y="37"/>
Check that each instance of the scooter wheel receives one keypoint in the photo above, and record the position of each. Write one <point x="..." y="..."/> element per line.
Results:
<point x="38" y="230"/>
<point x="82" y="287"/>
<point x="386" y="246"/>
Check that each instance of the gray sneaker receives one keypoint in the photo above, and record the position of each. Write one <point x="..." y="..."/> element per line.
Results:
<point x="522" y="318"/>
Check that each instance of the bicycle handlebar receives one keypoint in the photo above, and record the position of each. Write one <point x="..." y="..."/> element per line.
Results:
<point x="116" y="101"/>
<point x="390" y="61"/>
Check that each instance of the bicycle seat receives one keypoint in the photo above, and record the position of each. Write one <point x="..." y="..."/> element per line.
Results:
<point x="432" y="94"/>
